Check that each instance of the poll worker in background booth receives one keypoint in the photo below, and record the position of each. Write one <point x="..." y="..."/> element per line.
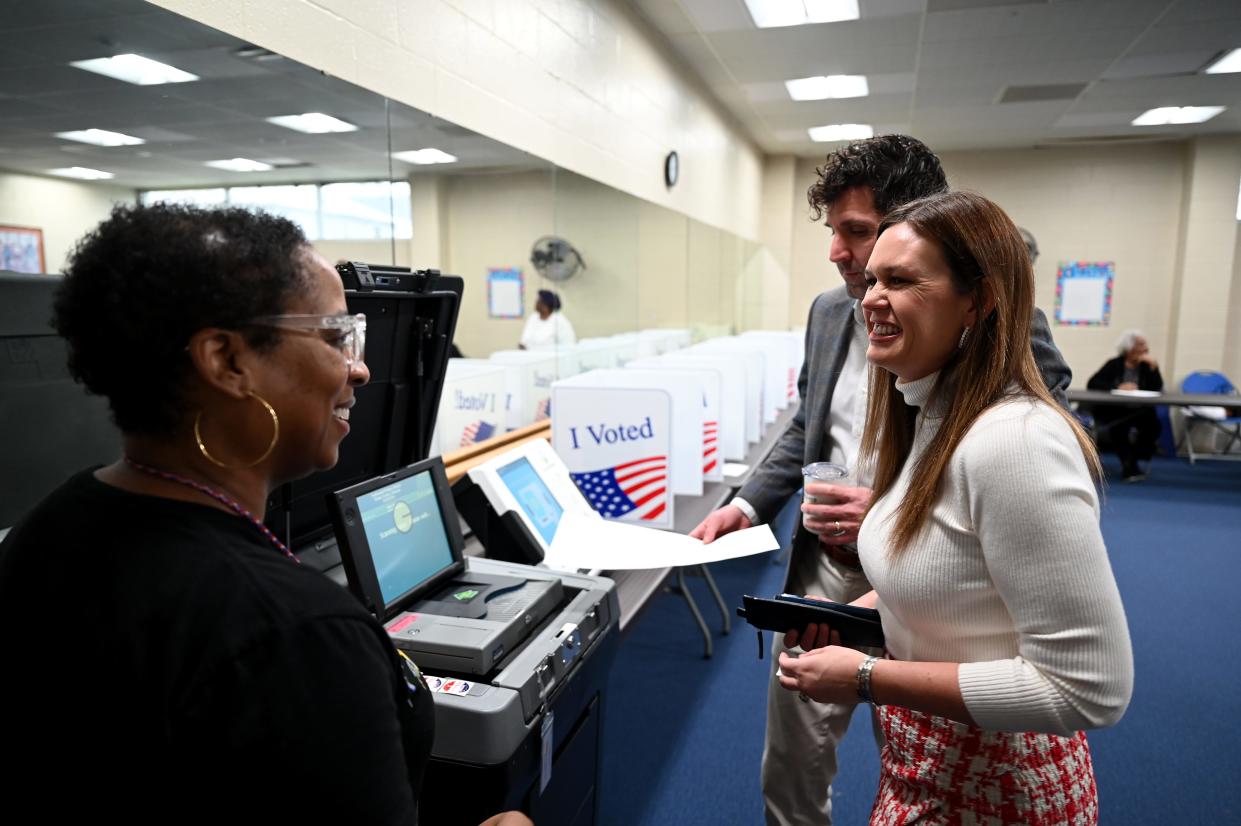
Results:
<point x="1006" y="636"/>
<point x="548" y="327"/>
<point x="857" y="186"/>
<point x="166" y="657"/>
<point x="1131" y="430"/>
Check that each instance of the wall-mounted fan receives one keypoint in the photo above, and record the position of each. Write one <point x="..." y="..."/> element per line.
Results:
<point x="555" y="258"/>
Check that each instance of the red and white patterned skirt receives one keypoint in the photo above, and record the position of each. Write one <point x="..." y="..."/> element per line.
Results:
<point x="938" y="771"/>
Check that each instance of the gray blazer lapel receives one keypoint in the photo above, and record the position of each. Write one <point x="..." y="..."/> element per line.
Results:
<point x="833" y="332"/>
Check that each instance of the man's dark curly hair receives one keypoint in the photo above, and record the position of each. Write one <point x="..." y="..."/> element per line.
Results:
<point x="146" y="279"/>
<point x="898" y="168"/>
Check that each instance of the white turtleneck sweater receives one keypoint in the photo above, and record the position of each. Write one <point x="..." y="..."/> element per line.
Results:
<point x="1009" y="576"/>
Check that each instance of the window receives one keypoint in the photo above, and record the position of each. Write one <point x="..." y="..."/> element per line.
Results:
<point x="360" y="210"/>
<point x="300" y="204"/>
<point x="192" y="197"/>
<point x="370" y="210"/>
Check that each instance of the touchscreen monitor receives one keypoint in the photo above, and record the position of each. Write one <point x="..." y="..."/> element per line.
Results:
<point x="533" y="496"/>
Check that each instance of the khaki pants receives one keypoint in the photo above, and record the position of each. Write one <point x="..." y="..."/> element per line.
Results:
<point x="799" y="755"/>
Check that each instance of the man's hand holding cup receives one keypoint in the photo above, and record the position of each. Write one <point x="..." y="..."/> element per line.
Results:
<point x="833" y="504"/>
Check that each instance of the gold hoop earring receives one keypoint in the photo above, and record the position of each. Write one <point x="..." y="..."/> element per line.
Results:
<point x="275" y="437"/>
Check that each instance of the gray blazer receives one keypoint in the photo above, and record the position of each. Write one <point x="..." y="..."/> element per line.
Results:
<point x="828" y="334"/>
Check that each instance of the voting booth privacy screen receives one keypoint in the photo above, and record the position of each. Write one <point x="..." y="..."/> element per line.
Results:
<point x="473" y="406"/>
<point x="538" y="369"/>
<point x="616" y="445"/>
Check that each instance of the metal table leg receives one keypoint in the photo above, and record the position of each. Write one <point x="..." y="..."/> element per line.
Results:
<point x="693" y="608"/>
<point x="719" y="600"/>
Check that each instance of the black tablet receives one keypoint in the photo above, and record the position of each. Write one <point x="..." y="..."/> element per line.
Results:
<point x="399" y="536"/>
<point x="858" y="627"/>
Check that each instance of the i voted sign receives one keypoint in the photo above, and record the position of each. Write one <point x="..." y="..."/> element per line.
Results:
<point x="472" y="405"/>
<point x="615" y="443"/>
<point x="613" y="434"/>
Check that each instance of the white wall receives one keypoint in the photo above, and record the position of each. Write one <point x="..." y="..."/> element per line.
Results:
<point x="580" y="83"/>
<point x="1177" y="277"/>
<point x="1205" y="275"/>
<point x="1232" y="347"/>
<point x="492" y="220"/>
<point x="646" y="265"/>
<point x="1119" y="204"/>
<point x="64" y="210"/>
<point x="370" y="252"/>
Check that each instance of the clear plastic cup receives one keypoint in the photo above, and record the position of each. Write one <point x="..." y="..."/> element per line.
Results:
<point x="829" y="472"/>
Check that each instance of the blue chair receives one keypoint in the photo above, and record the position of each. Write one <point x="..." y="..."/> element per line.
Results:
<point x="1210" y="381"/>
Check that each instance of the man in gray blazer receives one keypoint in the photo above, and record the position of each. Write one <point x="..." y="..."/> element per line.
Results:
<point x="857" y="186"/>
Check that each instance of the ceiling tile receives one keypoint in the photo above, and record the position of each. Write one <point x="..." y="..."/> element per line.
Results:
<point x="1034" y="21"/>
<point x="1153" y="65"/>
<point x="1177" y="35"/>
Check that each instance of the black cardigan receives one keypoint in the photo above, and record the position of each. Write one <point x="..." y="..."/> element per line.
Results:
<point x="1112" y="373"/>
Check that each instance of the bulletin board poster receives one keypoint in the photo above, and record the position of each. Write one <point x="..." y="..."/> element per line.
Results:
<point x="1084" y="293"/>
<point x="504" y="292"/>
<point x="21" y="250"/>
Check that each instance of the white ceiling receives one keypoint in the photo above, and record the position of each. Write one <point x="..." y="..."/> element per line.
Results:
<point x="939" y="69"/>
<point x="185" y="124"/>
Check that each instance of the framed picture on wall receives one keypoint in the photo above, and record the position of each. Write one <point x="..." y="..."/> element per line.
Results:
<point x="504" y="292"/>
<point x="21" y="249"/>
<point x="1084" y="293"/>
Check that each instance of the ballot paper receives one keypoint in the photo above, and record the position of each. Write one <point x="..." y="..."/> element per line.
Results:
<point x="735" y="469"/>
<point x="597" y="544"/>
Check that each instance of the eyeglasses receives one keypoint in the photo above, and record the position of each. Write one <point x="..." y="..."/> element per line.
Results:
<point x="347" y="333"/>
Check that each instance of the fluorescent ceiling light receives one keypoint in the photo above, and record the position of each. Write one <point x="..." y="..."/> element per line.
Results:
<point x="773" y="13"/>
<point x="1165" y="115"/>
<point x="842" y="132"/>
<point x="133" y="68"/>
<point x="101" y="137"/>
<point x="241" y="165"/>
<point x="313" y="123"/>
<point x="85" y="173"/>
<point x="1230" y="62"/>
<point x="425" y="156"/>
<point x="829" y="86"/>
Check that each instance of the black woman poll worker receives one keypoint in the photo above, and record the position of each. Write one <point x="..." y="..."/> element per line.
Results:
<point x="1005" y="630"/>
<point x="166" y="657"/>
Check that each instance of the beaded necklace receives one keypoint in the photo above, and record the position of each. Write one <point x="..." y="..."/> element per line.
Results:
<point x="222" y="498"/>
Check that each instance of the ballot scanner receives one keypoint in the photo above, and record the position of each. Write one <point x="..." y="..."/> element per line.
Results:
<point x="517" y="656"/>
<point x="519" y="666"/>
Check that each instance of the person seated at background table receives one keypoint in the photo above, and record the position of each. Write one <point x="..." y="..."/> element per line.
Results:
<point x="548" y="327"/>
<point x="1132" y="430"/>
<point x="167" y="659"/>
<point x="1005" y="631"/>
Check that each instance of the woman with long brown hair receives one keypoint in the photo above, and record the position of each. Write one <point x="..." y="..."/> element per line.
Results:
<point x="1006" y="636"/>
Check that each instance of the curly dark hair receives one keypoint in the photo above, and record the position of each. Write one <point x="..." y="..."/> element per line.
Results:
<point x="147" y="278"/>
<point x="898" y="168"/>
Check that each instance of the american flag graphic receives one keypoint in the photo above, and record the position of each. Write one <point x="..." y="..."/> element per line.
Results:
<point x="710" y="445"/>
<point x="637" y="489"/>
<point x="543" y="410"/>
<point x="792" y="384"/>
<point x="477" y="432"/>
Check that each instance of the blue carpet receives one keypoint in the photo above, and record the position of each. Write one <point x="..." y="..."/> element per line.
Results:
<point x="683" y="735"/>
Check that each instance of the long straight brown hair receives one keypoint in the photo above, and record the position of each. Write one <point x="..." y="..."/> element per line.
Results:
<point x="988" y="259"/>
